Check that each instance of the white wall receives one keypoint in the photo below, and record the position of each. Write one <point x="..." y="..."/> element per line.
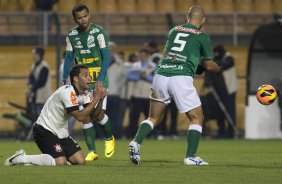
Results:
<point x="262" y="121"/>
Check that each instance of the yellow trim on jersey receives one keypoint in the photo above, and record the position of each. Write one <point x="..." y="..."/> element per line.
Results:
<point x="94" y="73"/>
<point x="89" y="60"/>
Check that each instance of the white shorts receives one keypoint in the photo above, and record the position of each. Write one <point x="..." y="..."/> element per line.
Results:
<point x="104" y="106"/>
<point x="180" y="88"/>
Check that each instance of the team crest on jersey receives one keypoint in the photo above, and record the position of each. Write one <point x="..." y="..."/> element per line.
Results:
<point x="73" y="32"/>
<point x="58" y="148"/>
<point x="81" y="99"/>
<point x="78" y="45"/>
<point x="95" y="30"/>
<point x="90" y="41"/>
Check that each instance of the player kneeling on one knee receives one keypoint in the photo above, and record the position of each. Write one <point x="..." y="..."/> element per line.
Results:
<point x="51" y="130"/>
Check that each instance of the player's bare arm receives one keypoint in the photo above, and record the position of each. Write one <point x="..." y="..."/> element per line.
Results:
<point x="211" y="66"/>
<point x="94" y="116"/>
<point x="80" y="115"/>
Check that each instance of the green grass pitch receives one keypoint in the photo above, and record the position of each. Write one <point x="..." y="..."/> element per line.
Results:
<point x="231" y="161"/>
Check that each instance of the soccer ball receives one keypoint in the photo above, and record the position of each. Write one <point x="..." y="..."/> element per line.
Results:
<point x="266" y="94"/>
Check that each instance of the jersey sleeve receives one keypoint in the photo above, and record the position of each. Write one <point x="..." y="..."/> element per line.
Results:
<point x="103" y="42"/>
<point x="103" y="39"/>
<point x="68" y="60"/>
<point x="68" y="45"/>
<point x="206" y="48"/>
<point x="69" y="100"/>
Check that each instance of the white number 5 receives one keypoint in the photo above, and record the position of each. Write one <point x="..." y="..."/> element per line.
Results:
<point x="179" y="41"/>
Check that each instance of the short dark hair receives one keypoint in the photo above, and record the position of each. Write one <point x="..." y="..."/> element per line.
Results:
<point x="75" y="71"/>
<point x="132" y="56"/>
<point x="39" y="51"/>
<point x="79" y="8"/>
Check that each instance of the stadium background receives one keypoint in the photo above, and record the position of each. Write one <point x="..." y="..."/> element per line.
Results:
<point x="130" y="23"/>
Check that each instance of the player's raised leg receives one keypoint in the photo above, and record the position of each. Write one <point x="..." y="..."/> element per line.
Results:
<point x="156" y="112"/>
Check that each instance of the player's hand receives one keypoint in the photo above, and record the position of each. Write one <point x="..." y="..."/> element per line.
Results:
<point x="103" y="92"/>
<point x="98" y="85"/>
<point x="100" y="93"/>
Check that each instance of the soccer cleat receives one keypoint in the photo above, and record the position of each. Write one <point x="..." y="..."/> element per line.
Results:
<point x="109" y="147"/>
<point x="13" y="159"/>
<point x="194" y="161"/>
<point x="91" y="156"/>
<point x="134" y="152"/>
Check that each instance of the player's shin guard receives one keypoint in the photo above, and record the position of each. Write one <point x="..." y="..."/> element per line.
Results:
<point x="144" y="129"/>
<point x="89" y="135"/>
<point x="106" y="124"/>
<point x="193" y="139"/>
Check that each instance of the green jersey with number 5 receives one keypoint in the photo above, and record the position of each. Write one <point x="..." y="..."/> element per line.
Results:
<point x="186" y="45"/>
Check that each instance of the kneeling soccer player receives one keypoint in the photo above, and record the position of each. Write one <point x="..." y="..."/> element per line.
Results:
<point x="51" y="128"/>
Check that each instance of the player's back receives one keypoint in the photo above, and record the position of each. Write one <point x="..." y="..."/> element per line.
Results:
<point x="185" y="47"/>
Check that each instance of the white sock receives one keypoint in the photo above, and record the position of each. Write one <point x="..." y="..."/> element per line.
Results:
<point x="104" y="120"/>
<point x="195" y="127"/>
<point x="43" y="159"/>
<point x="87" y="125"/>
<point x="149" y="122"/>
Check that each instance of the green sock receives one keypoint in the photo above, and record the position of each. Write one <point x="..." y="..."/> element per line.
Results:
<point x="193" y="139"/>
<point x="90" y="135"/>
<point x="143" y="130"/>
<point x="108" y="130"/>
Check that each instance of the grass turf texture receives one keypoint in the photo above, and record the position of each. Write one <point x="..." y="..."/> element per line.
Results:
<point x="231" y="161"/>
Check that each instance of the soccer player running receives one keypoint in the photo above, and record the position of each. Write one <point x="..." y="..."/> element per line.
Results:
<point x="87" y="44"/>
<point x="186" y="45"/>
<point x="50" y="131"/>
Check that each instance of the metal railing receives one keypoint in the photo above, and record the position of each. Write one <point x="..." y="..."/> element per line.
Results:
<point x="40" y="26"/>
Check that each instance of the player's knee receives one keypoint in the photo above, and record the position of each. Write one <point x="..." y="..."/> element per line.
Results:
<point x="77" y="160"/>
<point x="61" y="161"/>
<point x="98" y="115"/>
<point x="155" y="120"/>
<point x="80" y="161"/>
<point x="196" y="118"/>
<point x="101" y="115"/>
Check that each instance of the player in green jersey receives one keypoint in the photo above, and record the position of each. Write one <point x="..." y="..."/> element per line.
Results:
<point x="186" y="45"/>
<point x="87" y="44"/>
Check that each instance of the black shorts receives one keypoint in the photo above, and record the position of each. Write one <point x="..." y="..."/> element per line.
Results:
<point x="48" y="143"/>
